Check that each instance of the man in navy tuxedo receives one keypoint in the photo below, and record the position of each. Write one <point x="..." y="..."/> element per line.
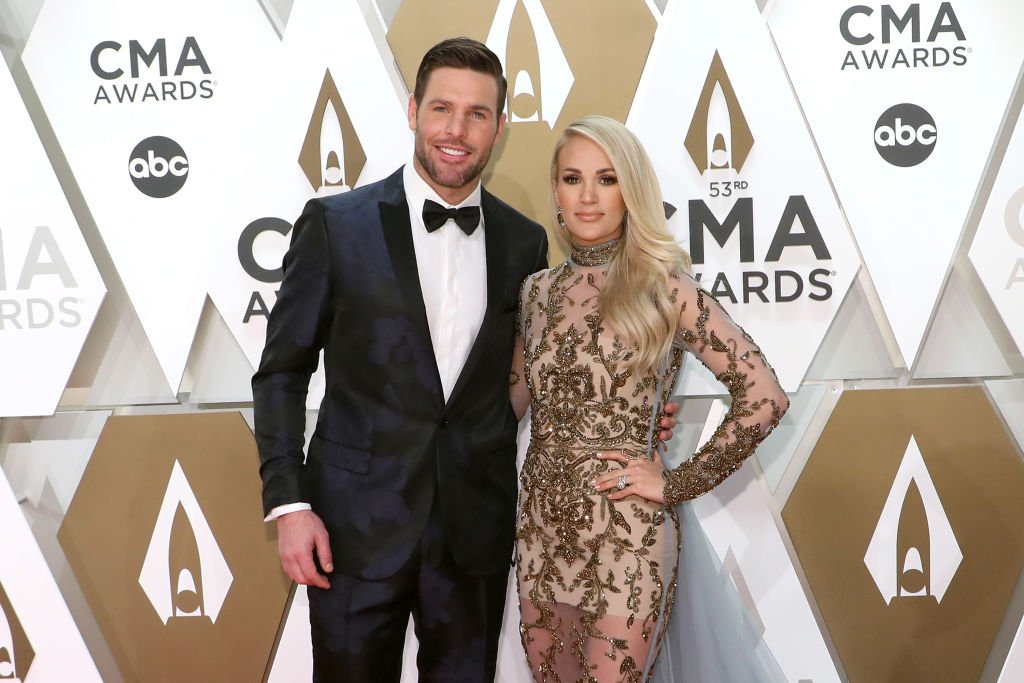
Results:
<point x="406" y="502"/>
<point x="407" y="498"/>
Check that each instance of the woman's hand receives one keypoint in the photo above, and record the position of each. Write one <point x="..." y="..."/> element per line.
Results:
<point x="643" y="477"/>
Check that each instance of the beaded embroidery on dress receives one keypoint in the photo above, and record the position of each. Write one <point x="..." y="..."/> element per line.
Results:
<point x="597" y="577"/>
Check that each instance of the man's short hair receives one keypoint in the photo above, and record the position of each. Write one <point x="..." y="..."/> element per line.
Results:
<point x="461" y="53"/>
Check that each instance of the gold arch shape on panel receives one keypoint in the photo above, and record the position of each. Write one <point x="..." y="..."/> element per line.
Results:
<point x="319" y="157"/>
<point x="740" y="140"/>
<point x="16" y="652"/>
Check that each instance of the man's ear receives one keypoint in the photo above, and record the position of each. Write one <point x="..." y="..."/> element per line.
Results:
<point x="411" y="113"/>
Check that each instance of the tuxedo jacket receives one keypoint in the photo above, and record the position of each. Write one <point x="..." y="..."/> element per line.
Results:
<point x="387" y="446"/>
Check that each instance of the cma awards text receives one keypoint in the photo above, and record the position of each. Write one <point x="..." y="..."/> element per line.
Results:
<point x="110" y="58"/>
<point x="771" y="284"/>
<point x="33" y="303"/>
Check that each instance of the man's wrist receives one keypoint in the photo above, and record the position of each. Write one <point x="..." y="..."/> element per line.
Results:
<point x="282" y="510"/>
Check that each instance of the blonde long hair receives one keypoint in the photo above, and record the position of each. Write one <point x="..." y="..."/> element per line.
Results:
<point x="635" y="298"/>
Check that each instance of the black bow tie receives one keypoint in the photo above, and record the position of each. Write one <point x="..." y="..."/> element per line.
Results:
<point x="435" y="215"/>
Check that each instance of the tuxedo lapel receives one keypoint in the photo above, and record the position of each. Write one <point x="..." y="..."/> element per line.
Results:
<point x="494" y="248"/>
<point x="394" y="216"/>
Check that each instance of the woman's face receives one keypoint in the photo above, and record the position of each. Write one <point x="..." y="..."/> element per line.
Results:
<point x="587" y="190"/>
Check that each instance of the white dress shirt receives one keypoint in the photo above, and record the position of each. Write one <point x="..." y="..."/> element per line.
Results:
<point x="452" y="270"/>
<point x="453" y="278"/>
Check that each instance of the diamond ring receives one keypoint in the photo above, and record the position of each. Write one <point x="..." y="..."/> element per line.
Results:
<point x="622" y="482"/>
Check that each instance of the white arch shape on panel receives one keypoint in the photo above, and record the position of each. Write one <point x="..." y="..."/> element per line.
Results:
<point x="944" y="555"/>
<point x="181" y="522"/>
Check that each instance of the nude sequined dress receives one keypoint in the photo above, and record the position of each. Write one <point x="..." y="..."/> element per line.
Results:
<point x="597" y="577"/>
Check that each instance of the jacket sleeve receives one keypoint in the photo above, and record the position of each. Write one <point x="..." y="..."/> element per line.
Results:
<point x="758" y="401"/>
<point x="541" y="261"/>
<point x="296" y="332"/>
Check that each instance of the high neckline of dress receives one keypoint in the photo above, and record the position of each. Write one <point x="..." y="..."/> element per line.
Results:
<point x="594" y="255"/>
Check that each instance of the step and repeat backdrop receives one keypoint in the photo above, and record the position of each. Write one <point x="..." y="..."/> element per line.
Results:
<point x="847" y="176"/>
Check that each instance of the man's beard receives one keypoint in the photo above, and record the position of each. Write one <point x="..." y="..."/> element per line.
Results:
<point x="449" y="177"/>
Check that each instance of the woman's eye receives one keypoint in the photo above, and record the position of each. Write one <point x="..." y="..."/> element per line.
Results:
<point x="609" y="180"/>
<point x="570" y="179"/>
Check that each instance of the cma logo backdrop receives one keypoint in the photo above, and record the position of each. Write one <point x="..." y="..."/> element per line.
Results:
<point x="174" y="104"/>
<point x="190" y="582"/>
<point x="195" y="137"/>
<point x="143" y="99"/>
<point x="898" y="529"/>
<point x="904" y="100"/>
<point x="749" y="197"/>
<point x="337" y="123"/>
<point x="50" y="289"/>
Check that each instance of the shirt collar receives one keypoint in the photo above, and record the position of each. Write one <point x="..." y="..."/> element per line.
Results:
<point x="417" y="191"/>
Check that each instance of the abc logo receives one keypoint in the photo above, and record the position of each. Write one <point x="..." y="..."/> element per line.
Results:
<point x="905" y="135"/>
<point x="158" y="167"/>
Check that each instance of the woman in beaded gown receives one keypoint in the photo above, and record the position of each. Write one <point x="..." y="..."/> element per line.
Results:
<point x="601" y="337"/>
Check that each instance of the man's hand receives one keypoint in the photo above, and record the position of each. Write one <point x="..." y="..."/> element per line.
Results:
<point x="668" y="423"/>
<point x="299" y="534"/>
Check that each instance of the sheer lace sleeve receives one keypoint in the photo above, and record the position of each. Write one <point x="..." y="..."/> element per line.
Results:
<point x="519" y="391"/>
<point x="758" y="401"/>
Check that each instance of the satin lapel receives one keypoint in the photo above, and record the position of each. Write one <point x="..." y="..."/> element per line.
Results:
<point x="495" y="251"/>
<point x="394" y="216"/>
